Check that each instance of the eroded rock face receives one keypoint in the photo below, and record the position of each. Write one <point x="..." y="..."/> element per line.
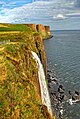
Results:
<point x="47" y="28"/>
<point x="33" y="26"/>
<point x="43" y="30"/>
<point x="40" y="27"/>
<point x="41" y="51"/>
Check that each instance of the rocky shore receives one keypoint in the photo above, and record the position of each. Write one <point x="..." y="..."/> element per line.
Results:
<point x="58" y="95"/>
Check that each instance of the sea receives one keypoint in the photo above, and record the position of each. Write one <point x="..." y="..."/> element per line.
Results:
<point x="63" y="59"/>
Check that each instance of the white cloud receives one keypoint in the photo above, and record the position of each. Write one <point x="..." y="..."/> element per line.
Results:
<point x="59" y="17"/>
<point x="45" y="11"/>
<point x="74" y="14"/>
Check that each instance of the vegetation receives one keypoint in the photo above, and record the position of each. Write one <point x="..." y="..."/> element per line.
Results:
<point x="19" y="86"/>
<point x="14" y="27"/>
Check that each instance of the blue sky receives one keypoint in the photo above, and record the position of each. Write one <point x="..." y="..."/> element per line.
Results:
<point x="59" y="14"/>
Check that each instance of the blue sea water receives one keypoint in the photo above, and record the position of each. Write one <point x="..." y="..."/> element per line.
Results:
<point x="63" y="58"/>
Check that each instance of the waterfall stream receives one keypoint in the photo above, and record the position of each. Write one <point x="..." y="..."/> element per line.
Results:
<point x="42" y="81"/>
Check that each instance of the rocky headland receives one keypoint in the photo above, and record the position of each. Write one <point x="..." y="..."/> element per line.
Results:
<point x="20" y="94"/>
<point x="43" y="30"/>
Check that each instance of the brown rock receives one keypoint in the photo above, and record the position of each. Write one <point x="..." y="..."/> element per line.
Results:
<point x="47" y="28"/>
<point x="43" y="30"/>
<point x="33" y="26"/>
<point x="40" y="27"/>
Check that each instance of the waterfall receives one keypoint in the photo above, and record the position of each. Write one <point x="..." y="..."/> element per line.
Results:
<point x="43" y="87"/>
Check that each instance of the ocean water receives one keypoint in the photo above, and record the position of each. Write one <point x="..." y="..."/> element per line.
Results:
<point x="63" y="58"/>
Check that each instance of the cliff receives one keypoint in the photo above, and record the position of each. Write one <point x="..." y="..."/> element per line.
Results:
<point x="43" y="30"/>
<point x="32" y="26"/>
<point x="20" y="96"/>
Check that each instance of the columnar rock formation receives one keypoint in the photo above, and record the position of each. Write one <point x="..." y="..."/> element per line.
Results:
<point x="43" y="30"/>
<point x="47" y="28"/>
<point x="33" y="26"/>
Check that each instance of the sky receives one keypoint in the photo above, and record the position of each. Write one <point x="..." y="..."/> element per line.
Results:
<point x="58" y="14"/>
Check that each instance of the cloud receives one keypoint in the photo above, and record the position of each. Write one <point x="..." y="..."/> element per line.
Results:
<point x="77" y="3"/>
<point x="59" y="17"/>
<point x="12" y="4"/>
<point x="40" y="11"/>
<point x="76" y="14"/>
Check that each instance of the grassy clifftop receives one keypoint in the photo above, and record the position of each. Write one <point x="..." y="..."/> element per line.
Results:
<point x="19" y="86"/>
<point x="14" y="27"/>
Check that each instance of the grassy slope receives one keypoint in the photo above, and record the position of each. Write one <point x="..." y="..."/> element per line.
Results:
<point x="19" y="86"/>
<point x="14" y="27"/>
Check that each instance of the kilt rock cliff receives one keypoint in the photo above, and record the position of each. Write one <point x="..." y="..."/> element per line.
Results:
<point x="23" y="67"/>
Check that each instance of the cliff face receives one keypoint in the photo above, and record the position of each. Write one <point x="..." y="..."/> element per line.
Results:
<point x="32" y="26"/>
<point x="43" y="30"/>
<point x="19" y="85"/>
<point x="41" y="51"/>
<point x="47" y="28"/>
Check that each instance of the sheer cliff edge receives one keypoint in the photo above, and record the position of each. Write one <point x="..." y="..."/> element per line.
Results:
<point x="20" y="94"/>
<point x="43" y="30"/>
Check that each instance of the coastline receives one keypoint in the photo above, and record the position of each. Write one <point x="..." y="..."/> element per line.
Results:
<point x="59" y="54"/>
<point x="48" y="37"/>
<point x="19" y="69"/>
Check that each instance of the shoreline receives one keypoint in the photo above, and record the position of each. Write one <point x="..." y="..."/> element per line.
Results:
<point x="49" y="37"/>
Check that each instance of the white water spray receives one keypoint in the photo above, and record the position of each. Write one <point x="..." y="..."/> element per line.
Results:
<point x="71" y="102"/>
<point x="43" y="87"/>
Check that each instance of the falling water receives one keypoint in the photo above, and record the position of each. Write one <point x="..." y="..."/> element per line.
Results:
<point x="44" y="91"/>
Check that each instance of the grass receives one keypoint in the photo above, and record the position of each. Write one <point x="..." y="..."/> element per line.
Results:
<point x="2" y="25"/>
<point x="14" y="27"/>
<point x="19" y="86"/>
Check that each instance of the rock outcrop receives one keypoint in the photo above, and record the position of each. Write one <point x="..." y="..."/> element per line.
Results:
<point x="47" y="28"/>
<point x="43" y="30"/>
<point x="32" y="26"/>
